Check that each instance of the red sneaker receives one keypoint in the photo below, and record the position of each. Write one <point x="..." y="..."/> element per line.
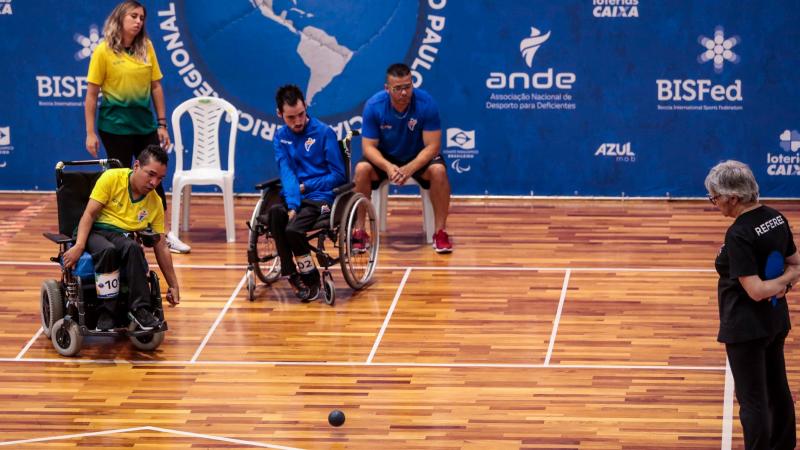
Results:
<point x="360" y="240"/>
<point x="441" y="242"/>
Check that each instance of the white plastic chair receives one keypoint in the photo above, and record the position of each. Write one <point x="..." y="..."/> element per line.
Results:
<point x="206" y="114"/>
<point x="380" y="198"/>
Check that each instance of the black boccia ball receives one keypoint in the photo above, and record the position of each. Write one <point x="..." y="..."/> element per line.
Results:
<point x="336" y="418"/>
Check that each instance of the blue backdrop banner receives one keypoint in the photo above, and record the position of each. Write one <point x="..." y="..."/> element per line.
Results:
<point x="574" y="97"/>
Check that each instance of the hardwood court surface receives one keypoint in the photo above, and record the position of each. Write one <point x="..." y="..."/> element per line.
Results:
<point x="555" y="324"/>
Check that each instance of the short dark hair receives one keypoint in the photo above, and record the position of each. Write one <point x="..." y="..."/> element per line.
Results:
<point x="288" y="94"/>
<point x="151" y="153"/>
<point x="398" y="70"/>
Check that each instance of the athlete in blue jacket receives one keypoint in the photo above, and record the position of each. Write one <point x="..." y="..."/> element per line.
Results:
<point x="311" y="166"/>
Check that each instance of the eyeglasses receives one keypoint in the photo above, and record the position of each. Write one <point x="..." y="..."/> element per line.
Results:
<point x="401" y="88"/>
<point x="713" y="199"/>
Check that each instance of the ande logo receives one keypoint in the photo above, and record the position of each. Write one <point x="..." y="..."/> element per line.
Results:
<point x="545" y="89"/>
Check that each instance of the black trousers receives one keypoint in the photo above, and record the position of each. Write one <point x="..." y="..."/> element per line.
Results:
<point x="113" y="251"/>
<point x="766" y="408"/>
<point x="126" y="147"/>
<point x="290" y="237"/>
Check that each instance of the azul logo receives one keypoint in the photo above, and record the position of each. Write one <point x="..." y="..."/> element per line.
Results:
<point x="790" y="141"/>
<point x="460" y="148"/>
<point x="412" y="122"/>
<point x="615" y="8"/>
<point x="622" y="152"/>
<point x="5" y="8"/>
<point x="529" y="45"/>
<point x="781" y="164"/>
<point x="309" y="142"/>
<point x="547" y="79"/>
<point x="87" y="43"/>
<point x="463" y="139"/>
<point x="718" y="50"/>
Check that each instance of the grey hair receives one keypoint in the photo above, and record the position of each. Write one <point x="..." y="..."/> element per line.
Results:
<point x="733" y="178"/>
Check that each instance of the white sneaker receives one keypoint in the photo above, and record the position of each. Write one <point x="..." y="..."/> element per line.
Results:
<point x="176" y="245"/>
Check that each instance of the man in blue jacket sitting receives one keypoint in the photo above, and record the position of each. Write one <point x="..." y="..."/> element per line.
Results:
<point x="311" y="166"/>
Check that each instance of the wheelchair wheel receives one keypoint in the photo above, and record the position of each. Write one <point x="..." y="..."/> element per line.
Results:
<point x="329" y="289"/>
<point x="267" y="265"/>
<point x="51" y="306"/>
<point x="251" y="285"/>
<point x="147" y="342"/>
<point x="358" y="264"/>
<point x="66" y="339"/>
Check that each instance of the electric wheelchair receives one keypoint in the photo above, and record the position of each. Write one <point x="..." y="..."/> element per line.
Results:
<point x="349" y="207"/>
<point x="69" y="307"/>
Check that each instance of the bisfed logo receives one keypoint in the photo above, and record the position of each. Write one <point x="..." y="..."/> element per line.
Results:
<point x="5" y="8"/>
<point x="615" y="8"/>
<point x="547" y="79"/>
<point x="62" y="90"/>
<point x="719" y="50"/>
<point x="88" y="43"/>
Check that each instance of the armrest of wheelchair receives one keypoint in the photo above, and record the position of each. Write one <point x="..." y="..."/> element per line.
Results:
<point x="274" y="182"/>
<point x="148" y="237"/>
<point x="58" y="238"/>
<point x="343" y="188"/>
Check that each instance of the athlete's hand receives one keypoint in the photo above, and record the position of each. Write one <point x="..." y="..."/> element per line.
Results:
<point x="163" y="137"/>
<point x="92" y="145"/>
<point x="174" y="295"/>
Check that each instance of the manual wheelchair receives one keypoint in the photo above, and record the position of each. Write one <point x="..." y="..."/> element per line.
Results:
<point x="358" y="264"/>
<point x="69" y="307"/>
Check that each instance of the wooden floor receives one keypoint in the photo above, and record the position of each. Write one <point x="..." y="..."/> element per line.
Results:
<point x="555" y="324"/>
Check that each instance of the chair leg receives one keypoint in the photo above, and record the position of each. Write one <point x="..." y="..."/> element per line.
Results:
<point x="227" y="197"/>
<point x="428" y="222"/>
<point x="187" y="201"/>
<point x="176" y="208"/>
<point x="380" y="200"/>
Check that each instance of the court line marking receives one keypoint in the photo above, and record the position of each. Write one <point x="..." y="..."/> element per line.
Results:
<point x="727" y="409"/>
<point x="72" y="436"/>
<point x="219" y="318"/>
<point x="388" y="316"/>
<point x="362" y="364"/>
<point x="557" y="318"/>
<point x="30" y="343"/>
<point x="434" y="268"/>
<point x="209" y="437"/>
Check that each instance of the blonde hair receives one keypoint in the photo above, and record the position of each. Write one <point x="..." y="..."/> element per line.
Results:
<point x="733" y="178"/>
<point x="112" y="31"/>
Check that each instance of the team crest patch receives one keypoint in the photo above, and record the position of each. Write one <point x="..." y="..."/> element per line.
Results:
<point x="412" y="122"/>
<point x="309" y="143"/>
<point x="142" y="215"/>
